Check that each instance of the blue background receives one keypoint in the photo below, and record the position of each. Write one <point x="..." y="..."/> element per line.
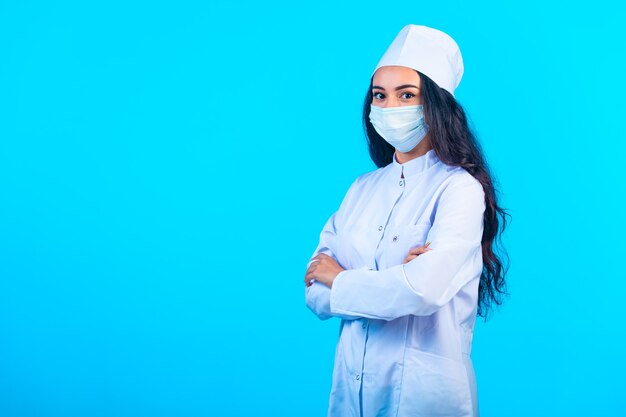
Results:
<point x="166" y="169"/>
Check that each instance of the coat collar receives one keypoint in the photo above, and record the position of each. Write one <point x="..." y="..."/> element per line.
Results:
<point x="413" y="167"/>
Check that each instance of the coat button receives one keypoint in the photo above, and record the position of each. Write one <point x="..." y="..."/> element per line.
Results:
<point x="401" y="182"/>
<point x="395" y="238"/>
<point x="364" y="325"/>
<point x="357" y="377"/>
<point x="380" y="228"/>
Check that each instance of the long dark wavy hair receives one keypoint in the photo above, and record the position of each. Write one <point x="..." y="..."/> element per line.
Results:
<point x="455" y="144"/>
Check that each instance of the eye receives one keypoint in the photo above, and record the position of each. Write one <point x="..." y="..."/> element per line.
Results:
<point x="407" y="95"/>
<point x="379" y="96"/>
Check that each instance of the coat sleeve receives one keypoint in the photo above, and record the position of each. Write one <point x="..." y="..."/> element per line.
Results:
<point x="317" y="296"/>
<point x="428" y="282"/>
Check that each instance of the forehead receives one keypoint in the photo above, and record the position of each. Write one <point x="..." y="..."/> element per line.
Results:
<point x="395" y="75"/>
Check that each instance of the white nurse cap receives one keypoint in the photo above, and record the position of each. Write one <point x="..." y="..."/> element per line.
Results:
<point x="430" y="51"/>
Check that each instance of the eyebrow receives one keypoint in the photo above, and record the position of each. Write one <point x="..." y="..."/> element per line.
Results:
<point x="397" y="88"/>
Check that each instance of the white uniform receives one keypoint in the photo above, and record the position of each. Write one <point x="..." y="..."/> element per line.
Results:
<point x="406" y="329"/>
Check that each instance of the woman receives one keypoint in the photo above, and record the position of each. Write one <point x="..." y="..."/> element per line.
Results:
<point x="407" y="261"/>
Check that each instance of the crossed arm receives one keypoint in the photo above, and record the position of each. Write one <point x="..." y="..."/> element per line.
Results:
<point x="424" y="284"/>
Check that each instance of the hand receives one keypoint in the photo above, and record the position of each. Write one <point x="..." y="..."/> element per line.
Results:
<point x="415" y="252"/>
<point x="323" y="268"/>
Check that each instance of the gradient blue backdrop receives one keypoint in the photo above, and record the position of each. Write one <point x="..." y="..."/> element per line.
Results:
<point x="166" y="169"/>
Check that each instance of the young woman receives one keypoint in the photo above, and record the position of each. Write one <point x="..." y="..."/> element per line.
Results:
<point x="407" y="261"/>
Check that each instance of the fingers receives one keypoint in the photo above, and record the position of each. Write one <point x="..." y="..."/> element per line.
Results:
<point x="308" y="276"/>
<point x="415" y="252"/>
<point x="307" y="279"/>
<point x="409" y="258"/>
<point x="419" y="250"/>
<point x="313" y="262"/>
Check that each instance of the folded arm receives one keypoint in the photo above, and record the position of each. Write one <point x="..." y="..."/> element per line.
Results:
<point x="428" y="282"/>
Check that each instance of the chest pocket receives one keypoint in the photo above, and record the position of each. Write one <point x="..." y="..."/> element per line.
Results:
<point x="399" y="240"/>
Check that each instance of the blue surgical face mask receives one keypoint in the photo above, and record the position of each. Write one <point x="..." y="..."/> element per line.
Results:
<point x="403" y="127"/>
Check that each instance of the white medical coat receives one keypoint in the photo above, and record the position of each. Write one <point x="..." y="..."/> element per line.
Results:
<point x="406" y="329"/>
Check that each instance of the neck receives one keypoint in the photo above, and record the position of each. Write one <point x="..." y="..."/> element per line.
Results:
<point x="421" y="148"/>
